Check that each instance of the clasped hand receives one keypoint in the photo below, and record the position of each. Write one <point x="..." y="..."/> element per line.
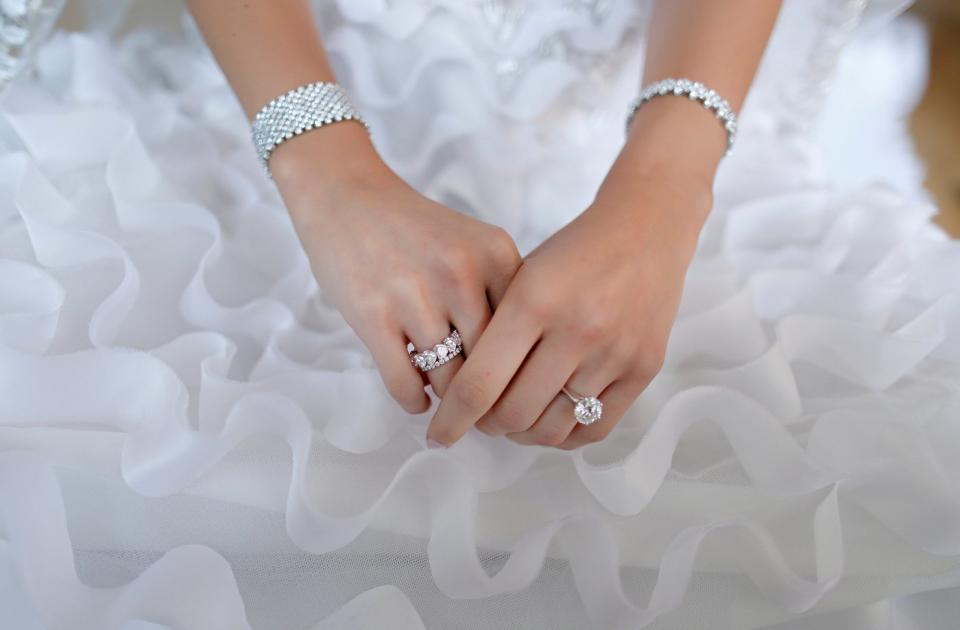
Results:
<point x="590" y="309"/>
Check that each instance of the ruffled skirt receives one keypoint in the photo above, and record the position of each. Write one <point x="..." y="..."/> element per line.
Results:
<point x="191" y="437"/>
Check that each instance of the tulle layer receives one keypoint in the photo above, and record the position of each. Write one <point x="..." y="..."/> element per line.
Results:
<point x="516" y="91"/>
<point x="185" y="421"/>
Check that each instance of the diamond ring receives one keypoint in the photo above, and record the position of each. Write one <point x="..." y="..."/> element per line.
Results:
<point x="587" y="409"/>
<point x="439" y="354"/>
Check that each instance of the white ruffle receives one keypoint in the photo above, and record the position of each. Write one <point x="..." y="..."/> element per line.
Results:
<point x="164" y="351"/>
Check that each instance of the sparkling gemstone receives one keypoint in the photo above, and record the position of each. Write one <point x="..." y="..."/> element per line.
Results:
<point x="420" y="361"/>
<point x="442" y="351"/>
<point x="451" y="344"/>
<point x="429" y="358"/>
<point x="588" y="410"/>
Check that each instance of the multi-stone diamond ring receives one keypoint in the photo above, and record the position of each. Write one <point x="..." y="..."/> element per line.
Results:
<point x="426" y="360"/>
<point x="586" y="409"/>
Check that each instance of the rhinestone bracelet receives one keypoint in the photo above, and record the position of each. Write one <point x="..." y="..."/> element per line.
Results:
<point x="304" y="108"/>
<point x="695" y="91"/>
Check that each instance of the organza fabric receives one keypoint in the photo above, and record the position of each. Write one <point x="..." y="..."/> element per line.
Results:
<point x="192" y="438"/>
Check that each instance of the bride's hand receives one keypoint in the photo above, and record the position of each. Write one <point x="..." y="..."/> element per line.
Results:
<point x="397" y="265"/>
<point x="591" y="309"/>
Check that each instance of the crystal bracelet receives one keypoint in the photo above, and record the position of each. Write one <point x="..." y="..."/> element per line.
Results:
<point x="695" y="91"/>
<point x="304" y="108"/>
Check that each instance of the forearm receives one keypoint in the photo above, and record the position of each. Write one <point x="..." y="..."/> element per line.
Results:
<point x="266" y="48"/>
<point x="716" y="42"/>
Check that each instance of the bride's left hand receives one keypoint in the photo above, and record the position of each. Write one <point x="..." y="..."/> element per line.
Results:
<point x="591" y="308"/>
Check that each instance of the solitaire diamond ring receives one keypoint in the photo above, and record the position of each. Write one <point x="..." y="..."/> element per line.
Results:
<point x="587" y="409"/>
<point x="439" y="354"/>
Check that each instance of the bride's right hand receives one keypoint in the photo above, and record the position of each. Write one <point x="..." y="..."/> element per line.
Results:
<point x="397" y="265"/>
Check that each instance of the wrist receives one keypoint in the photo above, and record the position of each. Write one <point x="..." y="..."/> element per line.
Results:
<point x="315" y="170"/>
<point x="676" y="134"/>
<point x="656" y="210"/>
<point x="665" y="171"/>
<point x="657" y="192"/>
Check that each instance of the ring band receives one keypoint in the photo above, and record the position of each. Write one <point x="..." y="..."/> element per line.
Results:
<point x="439" y="354"/>
<point x="586" y="409"/>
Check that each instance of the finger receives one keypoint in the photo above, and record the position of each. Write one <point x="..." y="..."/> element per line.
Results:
<point x="497" y="289"/>
<point x="479" y="382"/>
<point x="498" y="281"/>
<point x="616" y="399"/>
<point x="557" y="421"/>
<point x="427" y="332"/>
<point x="505" y="261"/>
<point x="470" y="316"/>
<point x="401" y="379"/>
<point x="536" y="383"/>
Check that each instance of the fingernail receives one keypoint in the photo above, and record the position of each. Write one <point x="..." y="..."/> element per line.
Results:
<point x="432" y="443"/>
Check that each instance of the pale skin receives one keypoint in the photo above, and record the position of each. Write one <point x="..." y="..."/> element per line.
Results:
<point x="527" y="331"/>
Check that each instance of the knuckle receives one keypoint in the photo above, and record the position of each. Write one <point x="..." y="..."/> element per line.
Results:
<point x="487" y="428"/>
<point x="623" y="349"/>
<point x="624" y="355"/>
<point x="406" y="391"/>
<point x="444" y="435"/>
<point x="412" y="403"/>
<point x="503" y="248"/>
<point x="552" y="436"/>
<point x="649" y="364"/>
<point x="508" y="416"/>
<point x="439" y="386"/>
<point x="375" y="309"/>
<point x="470" y="394"/>
<point x="411" y="289"/>
<point x="599" y="433"/>
<point x="606" y="429"/>
<point x="458" y="261"/>
<point x="533" y="304"/>
<point x="594" y="326"/>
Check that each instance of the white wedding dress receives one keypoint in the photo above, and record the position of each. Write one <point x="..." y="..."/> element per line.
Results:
<point x="191" y="438"/>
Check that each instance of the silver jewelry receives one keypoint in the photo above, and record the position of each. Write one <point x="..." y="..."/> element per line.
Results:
<point x="586" y="409"/>
<point x="439" y="354"/>
<point x="301" y="109"/>
<point x="695" y="91"/>
<point x="24" y="25"/>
